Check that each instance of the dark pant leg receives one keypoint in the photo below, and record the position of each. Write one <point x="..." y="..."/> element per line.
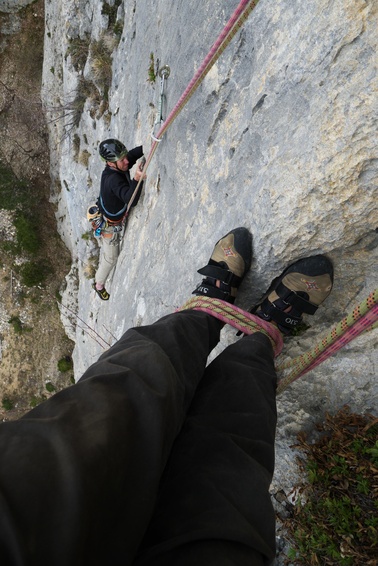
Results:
<point x="79" y="473"/>
<point x="213" y="505"/>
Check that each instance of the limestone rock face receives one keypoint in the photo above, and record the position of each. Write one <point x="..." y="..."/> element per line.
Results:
<point x="280" y="137"/>
<point x="13" y="6"/>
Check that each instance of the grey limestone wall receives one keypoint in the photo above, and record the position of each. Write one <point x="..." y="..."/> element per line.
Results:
<point x="281" y="137"/>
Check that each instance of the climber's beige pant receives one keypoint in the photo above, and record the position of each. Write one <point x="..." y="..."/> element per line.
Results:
<point x="109" y="253"/>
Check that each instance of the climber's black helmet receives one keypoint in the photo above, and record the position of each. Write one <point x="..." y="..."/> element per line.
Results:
<point x="112" y="150"/>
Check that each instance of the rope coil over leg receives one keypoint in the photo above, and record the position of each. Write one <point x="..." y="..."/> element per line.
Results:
<point x="364" y="317"/>
<point x="236" y="317"/>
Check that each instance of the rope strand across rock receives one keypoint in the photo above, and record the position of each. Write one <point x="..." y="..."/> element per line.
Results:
<point x="233" y="25"/>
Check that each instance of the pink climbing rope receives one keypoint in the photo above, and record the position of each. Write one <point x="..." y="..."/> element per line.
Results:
<point x="233" y="25"/>
<point x="363" y="317"/>
<point x="347" y="329"/>
<point x="241" y="320"/>
<point x="230" y="29"/>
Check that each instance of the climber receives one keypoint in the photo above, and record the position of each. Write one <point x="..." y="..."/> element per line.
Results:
<point x="116" y="190"/>
<point x="152" y="458"/>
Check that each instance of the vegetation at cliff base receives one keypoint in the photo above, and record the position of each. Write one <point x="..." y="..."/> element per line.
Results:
<point x="18" y="197"/>
<point x="335" y="520"/>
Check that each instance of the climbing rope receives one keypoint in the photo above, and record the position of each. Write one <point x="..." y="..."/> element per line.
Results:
<point x="364" y="317"/>
<point x="237" y="19"/>
<point x="233" y="25"/>
<point x="236" y="317"/>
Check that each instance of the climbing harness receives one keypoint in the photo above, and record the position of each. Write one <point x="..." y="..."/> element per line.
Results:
<point x="99" y="222"/>
<point x="364" y="317"/>
<point x="164" y="73"/>
<point x="122" y="211"/>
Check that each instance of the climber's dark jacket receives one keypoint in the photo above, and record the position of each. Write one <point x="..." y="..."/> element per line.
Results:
<point x="117" y="188"/>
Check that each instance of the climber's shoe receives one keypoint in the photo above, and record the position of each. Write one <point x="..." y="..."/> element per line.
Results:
<point x="102" y="293"/>
<point x="301" y="288"/>
<point x="229" y="262"/>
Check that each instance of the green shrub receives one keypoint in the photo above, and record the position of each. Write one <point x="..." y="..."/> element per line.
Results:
<point x="9" y="247"/>
<point x="14" y="193"/>
<point x="7" y="404"/>
<point x="101" y="61"/>
<point x="15" y="321"/>
<point x="78" y="49"/>
<point x="65" y="364"/>
<point x="35" y="272"/>
<point x="85" y="89"/>
<point x="84" y="158"/>
<point x="50" y="387"/>
<point x="118" y="29"/>
<point x="111" y="11"/>
<point x="34" y="401"/>
<point x="76" y="146"/>
<point x="374" y="454"/>
<point x="27" y="233"/>
<point x="151" y="69"/>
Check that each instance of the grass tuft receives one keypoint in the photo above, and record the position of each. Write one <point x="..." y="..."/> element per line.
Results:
<point x="78" y="49"/>
<point x="151" y="70"/>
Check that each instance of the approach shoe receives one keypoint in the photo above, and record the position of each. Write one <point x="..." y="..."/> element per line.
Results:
<point x="301" y="288"/>
<point x="102" y="293"/>
<point x="229" y="262"/>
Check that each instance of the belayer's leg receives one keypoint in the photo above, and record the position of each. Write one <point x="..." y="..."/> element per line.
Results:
<point x="213" y="505"/>
<point x="79" y="473"/>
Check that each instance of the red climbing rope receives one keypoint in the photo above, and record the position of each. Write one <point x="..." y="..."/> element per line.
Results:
<point x="233" y="25"/>
<point x="363" y="317"/>
<point x="231" y="28"/>
<point x="245" y="322"/>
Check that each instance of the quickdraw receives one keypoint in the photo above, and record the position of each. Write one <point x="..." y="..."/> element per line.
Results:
<point x="239" y="16"/>
<point x="164" y="73"/>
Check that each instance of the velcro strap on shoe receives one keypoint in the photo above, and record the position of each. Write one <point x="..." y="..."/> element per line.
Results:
<point x="292" y="298"/>
<point x="224" y="275"/>
<point x="270" y="311"/>
<point x="210" y="291"/>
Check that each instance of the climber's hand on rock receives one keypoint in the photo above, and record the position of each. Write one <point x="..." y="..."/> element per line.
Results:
<point x="139" y="174"/>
